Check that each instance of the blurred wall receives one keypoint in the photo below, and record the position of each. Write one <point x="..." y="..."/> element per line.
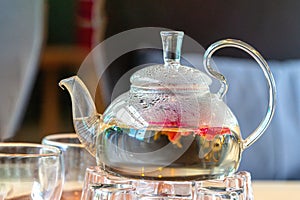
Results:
<point x="61" y="22"/>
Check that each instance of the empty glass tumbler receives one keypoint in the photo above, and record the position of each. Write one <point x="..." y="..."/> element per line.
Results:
<point x="30" y="171"/>
<point x="76" y="159"/>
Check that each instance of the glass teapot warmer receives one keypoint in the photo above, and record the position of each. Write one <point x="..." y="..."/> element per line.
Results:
<point x="100" y="185"/>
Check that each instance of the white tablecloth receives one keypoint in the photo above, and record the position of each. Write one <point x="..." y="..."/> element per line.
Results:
<point x="276" y="190"/>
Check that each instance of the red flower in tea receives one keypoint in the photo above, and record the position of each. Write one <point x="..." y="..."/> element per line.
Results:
<point x="175" y="133"/>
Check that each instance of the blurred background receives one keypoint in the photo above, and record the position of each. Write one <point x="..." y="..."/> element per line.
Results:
<point x="59" y="35"/>
<point x="44" y="41"/>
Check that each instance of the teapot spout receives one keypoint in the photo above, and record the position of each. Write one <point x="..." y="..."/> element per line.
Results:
<point x="86" y="120"/>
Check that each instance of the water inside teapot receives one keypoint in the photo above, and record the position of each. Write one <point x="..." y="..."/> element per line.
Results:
<point x="170" y="153"/>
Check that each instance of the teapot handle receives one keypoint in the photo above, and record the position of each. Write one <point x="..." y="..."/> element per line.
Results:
<point x="224" y="87"/>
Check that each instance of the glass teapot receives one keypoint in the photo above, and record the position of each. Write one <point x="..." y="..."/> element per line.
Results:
<point x="168" y="126"/>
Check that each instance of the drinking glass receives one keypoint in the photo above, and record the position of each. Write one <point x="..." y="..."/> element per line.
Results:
<point x="76" y="159"/>
<point x="30" y="171"/>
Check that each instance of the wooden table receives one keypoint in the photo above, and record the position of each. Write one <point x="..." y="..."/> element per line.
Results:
<point x="276" y="190"/>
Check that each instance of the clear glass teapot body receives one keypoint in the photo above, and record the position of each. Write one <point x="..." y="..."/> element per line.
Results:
<point x="168" y="126"/>
<point x="169" y="136"/>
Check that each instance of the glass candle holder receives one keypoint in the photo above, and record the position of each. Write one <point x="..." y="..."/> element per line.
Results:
<point x="100" y="185"/>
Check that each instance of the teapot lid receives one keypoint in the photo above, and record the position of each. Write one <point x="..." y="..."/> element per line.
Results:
<point x="171" y="75"/>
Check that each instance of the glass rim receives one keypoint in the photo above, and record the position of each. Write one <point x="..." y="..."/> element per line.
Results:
<point x="172" y="33"/>
<point x="55" y="151"/>
<point x="50" y="139"/>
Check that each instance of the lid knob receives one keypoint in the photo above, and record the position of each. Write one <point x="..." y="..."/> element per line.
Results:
<point x="172" y="42"/>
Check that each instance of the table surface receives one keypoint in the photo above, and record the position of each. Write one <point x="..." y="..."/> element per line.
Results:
<point x="276" y="190"/>
<point x="263" y="190"/>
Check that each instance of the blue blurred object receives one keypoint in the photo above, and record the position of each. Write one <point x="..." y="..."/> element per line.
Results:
<point x="276" y="154"/>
